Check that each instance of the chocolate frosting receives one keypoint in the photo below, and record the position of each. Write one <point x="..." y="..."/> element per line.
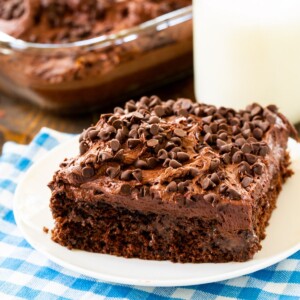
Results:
<point x="179" y="158"/>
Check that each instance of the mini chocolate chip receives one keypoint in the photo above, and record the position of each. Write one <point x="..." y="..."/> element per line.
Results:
<point x="126" y="175"/>
<point x="117" y="124"/>
<point x="88" y="172"/>
<point x="152" y="143"/>
<point x="132" y="143"/>
<point x="208" y="138"/>
<point x="176" y="140"/>
<point x="240" y="142"/>
<point x="234" y="121"/>
<point x="182" y="156"/>
<point x="223" y="126"/>
<point x="226" y="148"/>
<point x="237" y="157"/>
<point x="256" y="110"/>
<point x="130" y="106"/>
<point x="133" y="133"/>
<point x="137" y="174"/>
<point x="104" y="135"/>
<point x="226" y="158"/>
<point x="110" y="129"/>
<point x="221" y="175"/>
<point x="166" y="163"/>
<point x="93" y="134"/>
<point x="172" y="154"/>
<point x="169" y="146"/>
<point x="120" y="135"/>
<point x="159" y="111"/>
<point x="247" y="181"/>
<point x="118" y="110"/>
<point x="207" y="129"/>
<point x="246" y="133"/>
<point x="115" y="145"/>
<point x="183" y="112"/>
<point x="234" y="149"/>
<point x="137" y="115"/>
<point x="223" y="136"/>
<point x="244" y="168"/>
<point x="220" y="143"/>
<point x="119" y="155"/>
<point x="214" y="127"/>
<point x="83" y="147"/>
<point x="112" y="172"/>
<point x="142" y="131"/>
<point x="159" y="137"/>
<point x="154" y="120"/>
<point x="257" y="169"/>
<point x="251" y="159"/>
<point x="176" y="149"/>
<point x="172" y="187"/>
<point x="106" y="116"/>
<point x="264" y="150"/>
<point x="207" y="120"/>
<point x="125" y="189"/>
<point x="179" y="132"/>
<point x="235" y="130"/>
<point x="215" y="178"/>
<point x="214" y="164"/>
<point x="194" y="172"/>
<point x="111" y="119"/>
<point x="273" y="108"/>
<point x="223" y="188"/>
<point x="207" y="183"/>
<point x="183" y="186"/>
<point x="141" y="164"/>
<point x="154" y="100"/>
<point x="246" y="148"/>
<point x="198" y="111"/>
<point x="104" y="156"/>
<point x="162" y="154"/>
<point x="175" y="164"/>
<point x="145" y="100"/>
<point x="233" y="194"/>
<point x="270" y="118"/>
<point x="264" y="126"/>
<point x="257" y="133"/>
<point x="210" y="110"/>
<point x="251" y="139"/>
<point x="152" y="162"/>
<point x="256" y="147"/>
<point x="211" y="198"/>
<point x="154" y="129"/>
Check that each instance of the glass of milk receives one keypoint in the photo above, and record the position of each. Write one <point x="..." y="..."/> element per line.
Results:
<point x="248" y="51"/>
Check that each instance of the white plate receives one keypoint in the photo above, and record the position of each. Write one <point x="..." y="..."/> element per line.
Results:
<point x="31" y="209"/>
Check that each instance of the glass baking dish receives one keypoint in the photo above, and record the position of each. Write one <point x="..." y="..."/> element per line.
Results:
<point x="102" y="71"/>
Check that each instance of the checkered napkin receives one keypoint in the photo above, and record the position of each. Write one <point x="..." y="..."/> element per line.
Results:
<point x="25" y="273"/>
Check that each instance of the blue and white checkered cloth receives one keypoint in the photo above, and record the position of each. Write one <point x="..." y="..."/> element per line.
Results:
<point x="27" y="274"/>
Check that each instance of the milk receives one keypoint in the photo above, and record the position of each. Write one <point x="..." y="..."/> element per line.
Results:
<point x="246" y="51"/>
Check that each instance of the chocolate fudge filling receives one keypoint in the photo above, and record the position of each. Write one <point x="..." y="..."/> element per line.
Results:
<point x="170" y="175"/>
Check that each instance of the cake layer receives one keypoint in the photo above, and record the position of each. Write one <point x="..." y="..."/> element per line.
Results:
<point x="173" y="169"/>
<point x="100" y="227"/>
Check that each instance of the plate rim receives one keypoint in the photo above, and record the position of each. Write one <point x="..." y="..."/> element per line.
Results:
<point x="244" y="270"/>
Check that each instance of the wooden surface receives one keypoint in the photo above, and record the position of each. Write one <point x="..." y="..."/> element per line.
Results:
<point x="20" y="121"/>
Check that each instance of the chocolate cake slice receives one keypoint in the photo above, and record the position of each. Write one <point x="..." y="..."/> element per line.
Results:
<point x="173" y="180"/>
